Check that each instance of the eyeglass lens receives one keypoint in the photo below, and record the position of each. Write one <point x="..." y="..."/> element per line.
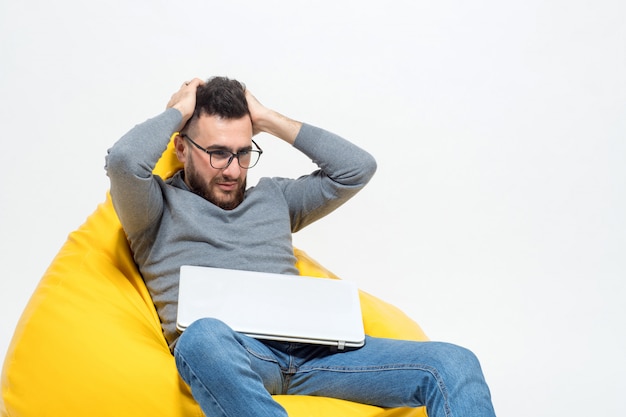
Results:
<point x="246" y="159"/>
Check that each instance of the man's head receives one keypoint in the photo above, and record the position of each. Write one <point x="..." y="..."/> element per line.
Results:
<point x="220" y="122"/>
<point x="223" y="97"/>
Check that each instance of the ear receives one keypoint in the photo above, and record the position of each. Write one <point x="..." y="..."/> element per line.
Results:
<point x="180" y="147"/>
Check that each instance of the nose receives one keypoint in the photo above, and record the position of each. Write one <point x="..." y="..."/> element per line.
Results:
<point x="233" y="170"/>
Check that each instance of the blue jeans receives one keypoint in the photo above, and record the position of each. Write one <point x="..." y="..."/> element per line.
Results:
<point x="233" y="375"/>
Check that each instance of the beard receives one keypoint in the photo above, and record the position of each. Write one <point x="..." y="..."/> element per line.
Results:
<point x="210" y="191"/>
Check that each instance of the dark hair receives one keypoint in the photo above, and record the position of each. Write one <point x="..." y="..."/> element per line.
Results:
<point x="223" y="97"/>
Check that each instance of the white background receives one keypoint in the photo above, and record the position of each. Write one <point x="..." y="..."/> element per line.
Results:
<point x="496" y="219"/>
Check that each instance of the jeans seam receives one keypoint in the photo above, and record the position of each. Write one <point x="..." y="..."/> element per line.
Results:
<point x="259" y="355"/>
<point x="441" y="386"/>
<point x="195" y="377"/>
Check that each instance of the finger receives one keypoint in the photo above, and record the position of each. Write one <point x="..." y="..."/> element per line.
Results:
<point x="187" y="83"/>
<point x="195" y="82"/>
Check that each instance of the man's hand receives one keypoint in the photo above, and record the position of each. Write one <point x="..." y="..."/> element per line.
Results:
<point x="258" y="112"/>
<point x="270" y="121"/>
<point x="184" y="100"/>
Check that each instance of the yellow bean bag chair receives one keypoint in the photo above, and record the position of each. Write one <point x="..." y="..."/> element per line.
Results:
<point x="89" y="342"/>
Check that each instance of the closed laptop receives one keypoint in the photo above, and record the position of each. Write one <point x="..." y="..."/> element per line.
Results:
<point x="273" y="306"/>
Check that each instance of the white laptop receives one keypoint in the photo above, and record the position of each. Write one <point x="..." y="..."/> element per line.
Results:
<point x="273" y="306"/>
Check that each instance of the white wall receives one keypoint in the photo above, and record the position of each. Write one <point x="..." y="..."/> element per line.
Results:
<point x="496" y="219"/>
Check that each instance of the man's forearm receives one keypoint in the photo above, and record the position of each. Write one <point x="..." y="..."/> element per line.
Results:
<point x="278" y="125"/>
<point x="269" y="121"/>
<point x="138" y="151"/>
<point x="129" y="163"/>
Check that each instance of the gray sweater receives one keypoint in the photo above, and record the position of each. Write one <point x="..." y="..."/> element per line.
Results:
<point x="168" y="226"/>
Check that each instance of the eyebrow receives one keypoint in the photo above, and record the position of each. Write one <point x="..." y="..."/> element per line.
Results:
<point x="226" y="148"/>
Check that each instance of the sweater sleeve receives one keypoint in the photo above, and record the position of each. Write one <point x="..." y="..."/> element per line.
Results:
<point x="344" y="170"/>
<point x="135" y="191"/>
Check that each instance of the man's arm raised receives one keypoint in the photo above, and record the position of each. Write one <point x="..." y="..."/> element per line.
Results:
<point x="184" y="100"/>
<point x="269" y="121"/>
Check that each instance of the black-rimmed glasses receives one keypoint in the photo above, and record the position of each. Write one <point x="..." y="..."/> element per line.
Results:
<point x="221" y="158"/>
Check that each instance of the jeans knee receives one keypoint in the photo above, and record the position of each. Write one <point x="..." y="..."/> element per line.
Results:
<point x="205" y="326"/>
<point x="457" y="360"/>
<point x="205" y="340"/>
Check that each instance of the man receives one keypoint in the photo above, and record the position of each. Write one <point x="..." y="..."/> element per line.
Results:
<point x="205" y="215"/>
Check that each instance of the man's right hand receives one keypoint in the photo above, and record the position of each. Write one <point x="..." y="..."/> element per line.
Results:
<point x="270" y="121"/>
<point x="184" y="100"/>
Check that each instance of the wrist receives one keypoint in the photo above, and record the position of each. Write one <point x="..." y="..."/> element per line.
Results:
<point x="277" y="125"/>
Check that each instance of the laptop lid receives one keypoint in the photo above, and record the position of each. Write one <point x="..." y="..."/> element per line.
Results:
<point x="273" y="306"/>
